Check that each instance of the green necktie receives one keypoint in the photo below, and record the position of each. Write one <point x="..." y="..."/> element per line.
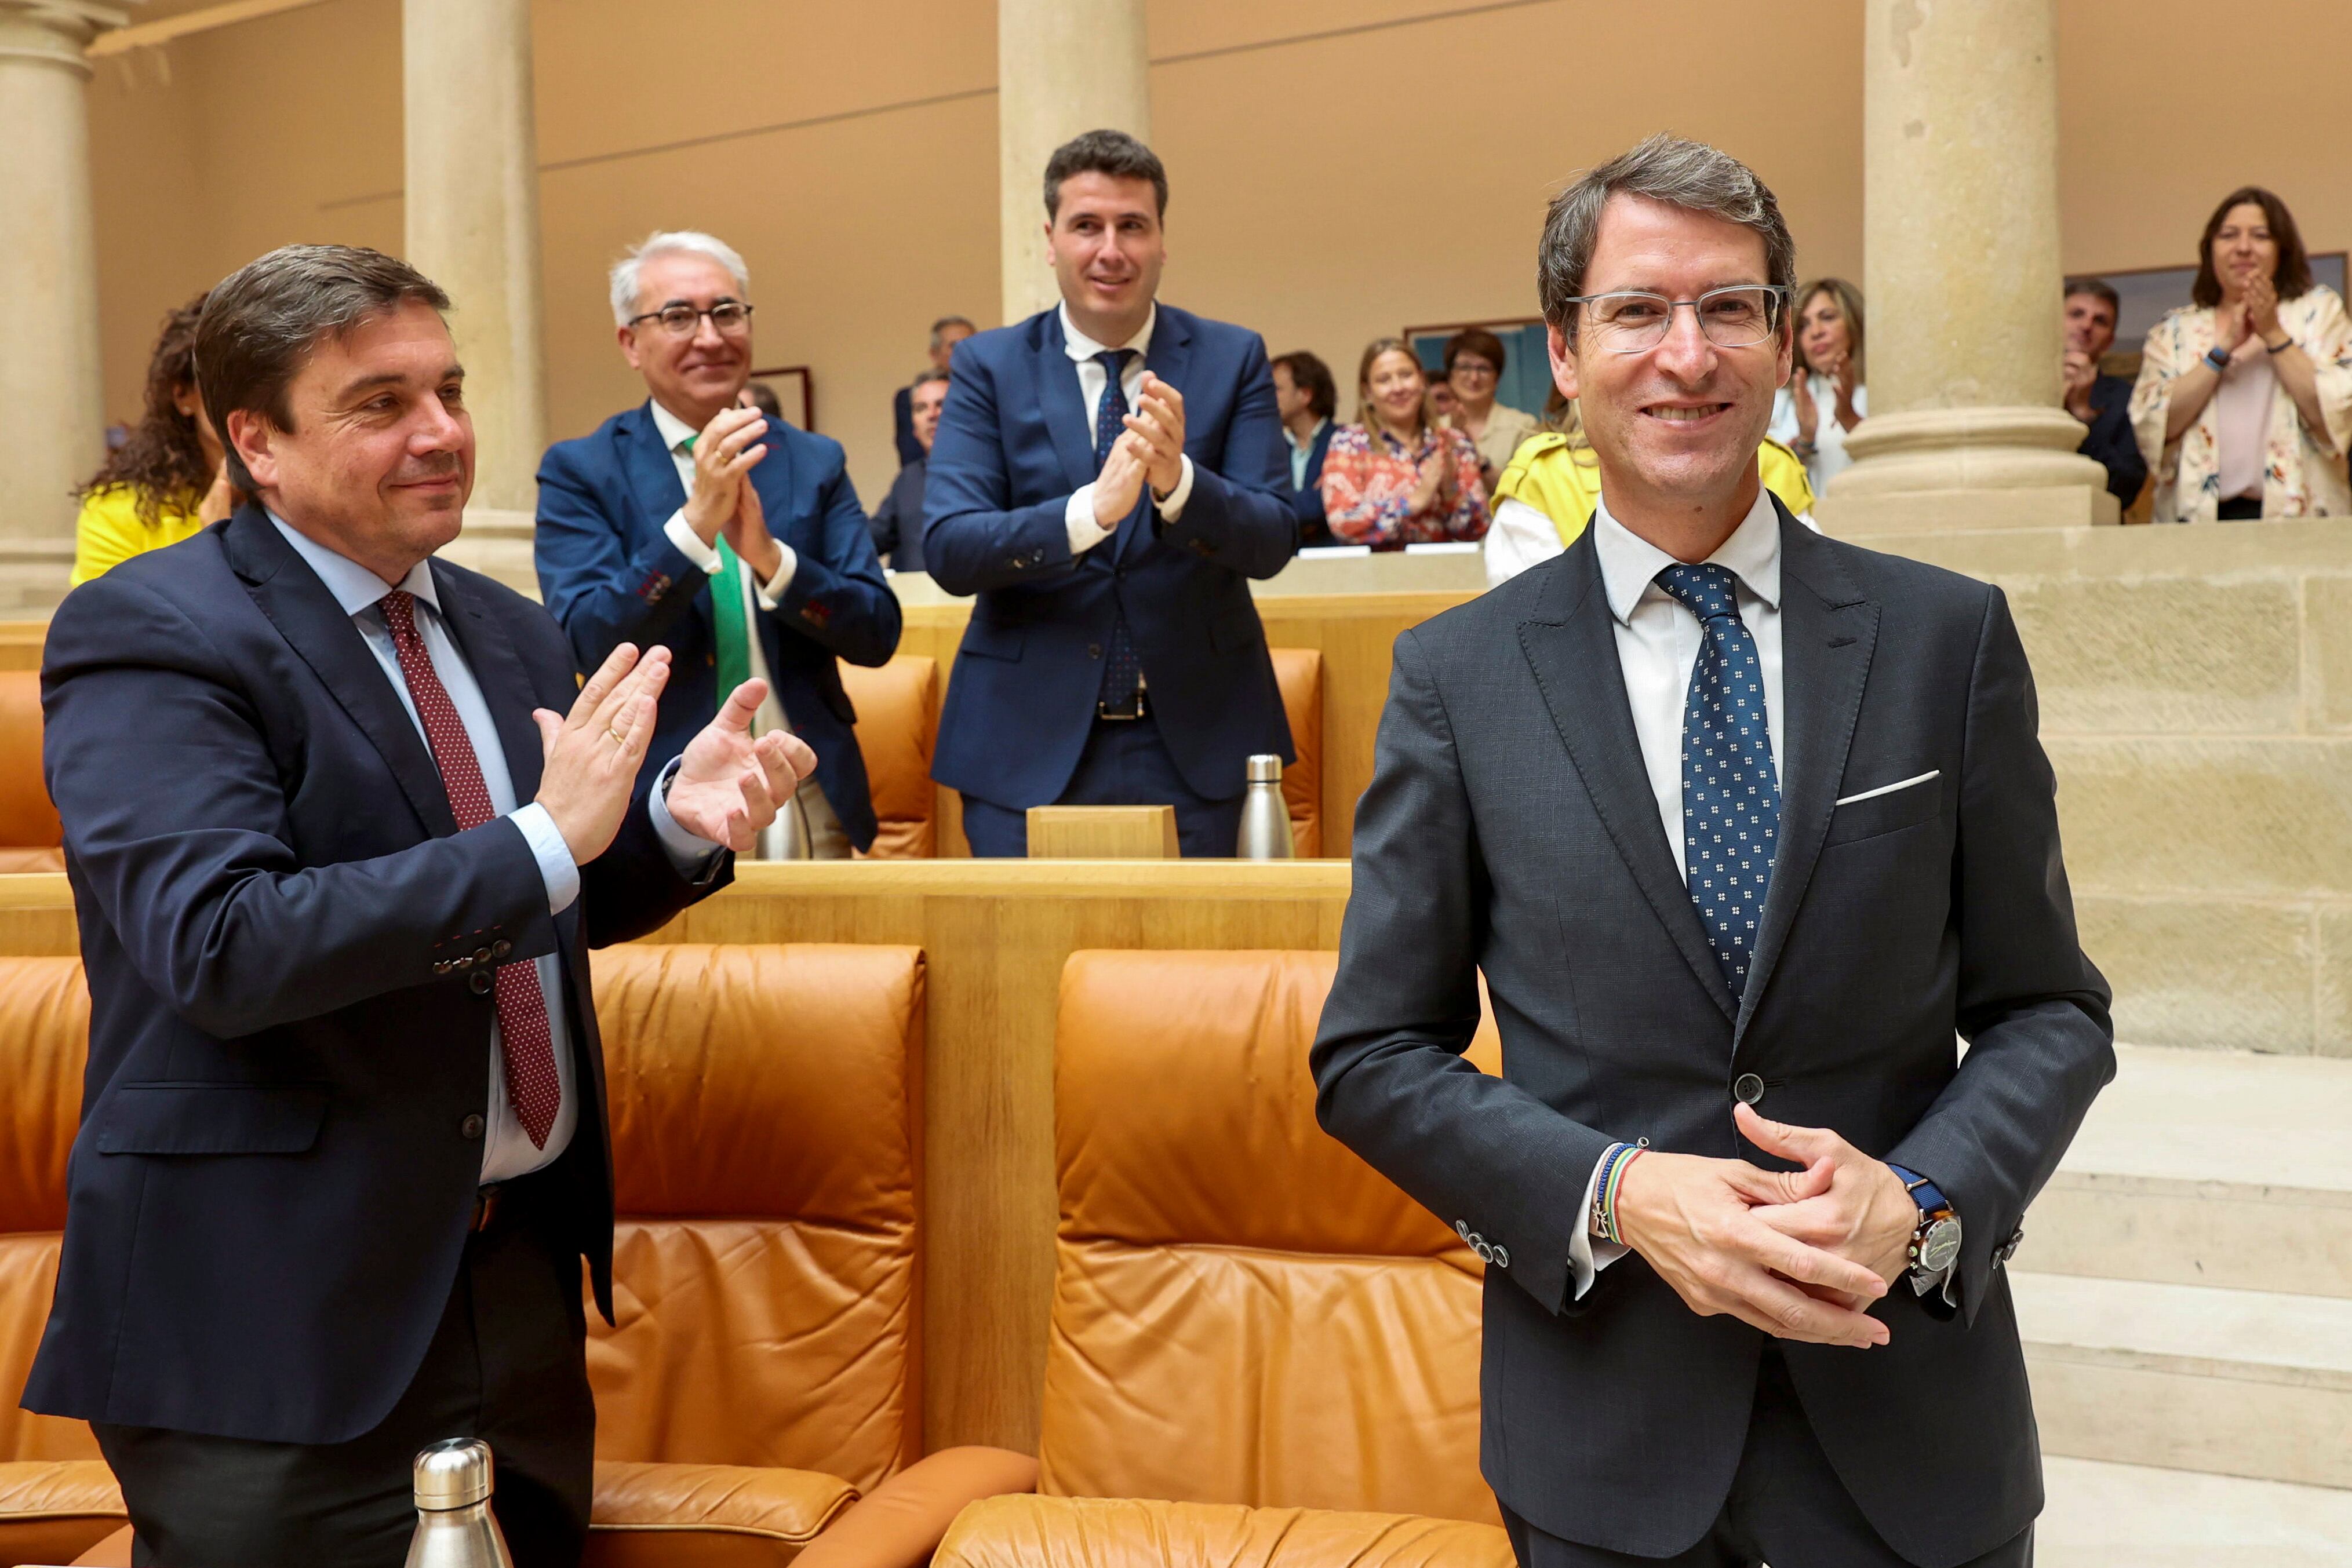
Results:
<point x="732" y="627"/>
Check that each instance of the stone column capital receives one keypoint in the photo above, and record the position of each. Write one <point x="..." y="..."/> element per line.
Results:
<point x="56" y="32"/>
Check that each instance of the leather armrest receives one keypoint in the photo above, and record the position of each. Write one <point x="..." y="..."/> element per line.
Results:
<point x="900" y="1522"/>
<point x="52" y="1510"/>
<point x="644" y="1512"/>
<point x="1130" y="1533"/>
<point x="114" y="1551"/>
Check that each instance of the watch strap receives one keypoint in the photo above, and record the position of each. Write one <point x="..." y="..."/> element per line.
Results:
<point x="2217" y="359"/>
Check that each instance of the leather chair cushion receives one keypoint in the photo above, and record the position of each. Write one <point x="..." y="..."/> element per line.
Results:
<point x="1299" y="673"/>
<point x="28" y="1277"/>
<point x="53" y="1512"/>
<point x="898" y="1524"/>
<point x="1103" y="1532"/>
<point x="708" y="1516"/>
<point x="898" y="722"/>
<point x="44" y="1047"/>
<point x="111" y="1551"/>
<point x="27" y="818"/>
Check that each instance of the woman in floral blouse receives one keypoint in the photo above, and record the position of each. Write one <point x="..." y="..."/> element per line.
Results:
<point x="2243" y="406"/>
<point x="1397" y="478"/>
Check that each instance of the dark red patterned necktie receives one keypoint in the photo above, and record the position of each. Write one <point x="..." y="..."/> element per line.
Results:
<point x="533" y="1088"/>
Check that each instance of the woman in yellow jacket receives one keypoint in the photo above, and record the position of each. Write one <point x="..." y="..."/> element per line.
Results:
<point x="168" y="480"/>
<point x="1547" y="493"/>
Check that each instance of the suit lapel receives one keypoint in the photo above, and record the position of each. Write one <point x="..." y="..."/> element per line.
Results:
<point x="498" y="672"/>
<point x="653" y="472"/>
<point x="288" y="592"/>
<point x="1828" y="632"/>
<point x="1169" y="355"/>
<point x="1573" y="649"/>
<point x="1067" y="417"/>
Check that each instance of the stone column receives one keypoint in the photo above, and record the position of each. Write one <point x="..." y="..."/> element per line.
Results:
<point x="1061" y="67"/>
<point x="52" y="393"/>
<point x="472" y="198"/>
<point x="1960" y="226"/>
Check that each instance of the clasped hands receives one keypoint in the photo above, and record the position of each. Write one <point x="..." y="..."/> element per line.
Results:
<point x="723" y="500"/>
<point x="1152" y="448"/>
<point x="1799" y="1254"/>
<point x="728" y="784"/>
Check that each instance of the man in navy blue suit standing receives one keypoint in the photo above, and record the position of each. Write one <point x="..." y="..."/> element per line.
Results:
<point x="695" y="486"/>
<point x="1107" y="477"/>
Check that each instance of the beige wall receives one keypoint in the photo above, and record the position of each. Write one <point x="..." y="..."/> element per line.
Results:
<point x="1340" y="167"/>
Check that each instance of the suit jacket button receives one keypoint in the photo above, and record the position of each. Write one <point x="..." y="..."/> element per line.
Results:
<point x="478" y="981"/>
<point x="501" y="948"/>
<point x="1502" y="1256"/>
<point x="1748" y="1088"/>
<point x="1094" y="649"/>
<point x="482" y="954"/>
<point x="471" y="1127"/>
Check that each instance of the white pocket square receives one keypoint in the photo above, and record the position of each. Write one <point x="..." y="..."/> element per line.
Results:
<point x="1890" y="789"/>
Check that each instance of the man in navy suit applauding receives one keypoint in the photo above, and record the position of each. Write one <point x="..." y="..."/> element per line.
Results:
<point x="695" y="486"/>
<point x="1106" y="476"/>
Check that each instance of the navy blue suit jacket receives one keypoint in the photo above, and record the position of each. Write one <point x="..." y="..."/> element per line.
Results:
<point x="1308" y="499"/>
<point x="611" y="576"/>
<point x="276" y="1168"/>
<point x="1013" y="444"/>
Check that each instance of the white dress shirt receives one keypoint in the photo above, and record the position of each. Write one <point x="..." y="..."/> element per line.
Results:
<point x="1079" y="517"/>
<point x="675" y="434"/>
<point x="1658" y="641"/>
<point x="506" y="1150"/>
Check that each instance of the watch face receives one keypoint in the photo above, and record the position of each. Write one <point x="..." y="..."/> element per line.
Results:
<point x="1939" y="1246"/>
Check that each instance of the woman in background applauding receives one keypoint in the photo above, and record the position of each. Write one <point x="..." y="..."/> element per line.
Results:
<point x="1398" y="477"/>
<point x="1825" y="397"/>
<point x="2244" y="405"/>
<point x="169" y="479"/>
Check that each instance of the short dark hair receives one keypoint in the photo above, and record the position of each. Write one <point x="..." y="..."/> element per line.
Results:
<point x="2293" y="275"/>
<point x="2098" y="288"/>
<point x="262" y="321"/>
<point x="1313" y="377"/>
<point x="944" y="322"/>
<point x="1112" y="152"/>
<point x="926" y="379"/>
<point x="1475" y="341"/>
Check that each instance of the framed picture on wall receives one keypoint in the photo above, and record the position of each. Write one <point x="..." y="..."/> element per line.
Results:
<point x="1525" y="381"/>
<point x="796" y="391"/>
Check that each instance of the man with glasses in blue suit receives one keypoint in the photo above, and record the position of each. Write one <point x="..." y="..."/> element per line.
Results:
<point x="1107" y="477"/>
<point x="695" y="488"/>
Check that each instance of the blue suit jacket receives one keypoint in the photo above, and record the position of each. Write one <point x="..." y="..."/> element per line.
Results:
<point x="275" y="1173"/>
<point x="610" y="575"/>
<point x="1012" y="446"/>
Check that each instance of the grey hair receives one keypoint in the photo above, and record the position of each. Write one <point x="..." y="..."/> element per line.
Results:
<point x="944" y="322"/>
<point x="671" y="242"/>
<point x="1681" y="173"/>
<point x="927" y="378"/>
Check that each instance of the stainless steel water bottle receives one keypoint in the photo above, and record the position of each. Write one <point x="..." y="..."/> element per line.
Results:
<point x="455" y="1528"/>
<point x="1265" y="818"/>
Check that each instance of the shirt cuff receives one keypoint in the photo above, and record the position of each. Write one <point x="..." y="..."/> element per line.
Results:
<point x="1173" y="506"/>
<point x="689" y="543"/>
<point x="1587" y="1255"/>
<point x="556" y="866"/>
<point x="772" y="590"/>
<point x="689" y="851"/>
<point x="1078" y="521"/>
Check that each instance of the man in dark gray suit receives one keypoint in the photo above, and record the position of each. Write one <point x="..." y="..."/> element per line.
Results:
<point x="1738" y="822"/>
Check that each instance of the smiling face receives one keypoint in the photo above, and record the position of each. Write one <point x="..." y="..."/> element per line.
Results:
<point x="2243" y="247"/>
<point x="1675" y="425"/>
<point x="1472" y="379"/>
<point x="694" y="374"/>
<point x="1822" y="330"/>
<point x="380" y="457"/>
<point x="1393" y="388"/>
<point x="2090" y="325"/>
<point x="1107" y="247"/>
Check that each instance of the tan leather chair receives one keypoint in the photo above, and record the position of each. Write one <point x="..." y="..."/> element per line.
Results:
<point x="56" y="1496"/>
<point x="30" y="837"/>
<point x="1261" y="1353"/>
<point x="765" y="1373"/>
<point x="897" y="722"/>
<point x="1299" y="673"/>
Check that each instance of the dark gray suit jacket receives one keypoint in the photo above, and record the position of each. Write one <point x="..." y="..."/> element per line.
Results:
<point x="1510" y="827"/>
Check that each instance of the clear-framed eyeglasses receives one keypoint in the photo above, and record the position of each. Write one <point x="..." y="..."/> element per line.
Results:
<point x="1628" y="320"/>
<point x="732" y="318"/>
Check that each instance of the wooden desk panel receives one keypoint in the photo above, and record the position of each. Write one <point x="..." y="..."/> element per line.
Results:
<point x="995" y="935"/>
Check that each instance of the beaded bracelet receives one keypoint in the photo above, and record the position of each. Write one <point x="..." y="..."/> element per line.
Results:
<point x="1613" y="1162"/>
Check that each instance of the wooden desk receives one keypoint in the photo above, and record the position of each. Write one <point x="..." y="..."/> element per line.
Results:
<point x="994" y="934"/>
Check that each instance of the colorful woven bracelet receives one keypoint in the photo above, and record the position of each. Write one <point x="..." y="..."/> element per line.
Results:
<point x="1613" y="1162"/>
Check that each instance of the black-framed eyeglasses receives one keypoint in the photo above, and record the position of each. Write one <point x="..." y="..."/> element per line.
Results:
<point x="730" y="317"/>
<point x="1628" y="320"/>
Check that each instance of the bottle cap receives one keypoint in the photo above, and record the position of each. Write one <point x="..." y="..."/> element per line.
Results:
<point x="455" y="1473"/>
<point x="1265" y="769"/>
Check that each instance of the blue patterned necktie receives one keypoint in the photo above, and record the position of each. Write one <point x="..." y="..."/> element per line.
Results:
<point x="1123" y="671"/>
<point x="1731" y="791"/>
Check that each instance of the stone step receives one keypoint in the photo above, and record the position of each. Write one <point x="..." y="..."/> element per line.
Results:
<point x="2104" y="1515"/>
<point x="2200" y="1167"/>
<point x="2241" y="1383"/>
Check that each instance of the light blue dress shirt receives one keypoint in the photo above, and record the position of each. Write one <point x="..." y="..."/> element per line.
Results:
<point x="506" y="1150"/>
